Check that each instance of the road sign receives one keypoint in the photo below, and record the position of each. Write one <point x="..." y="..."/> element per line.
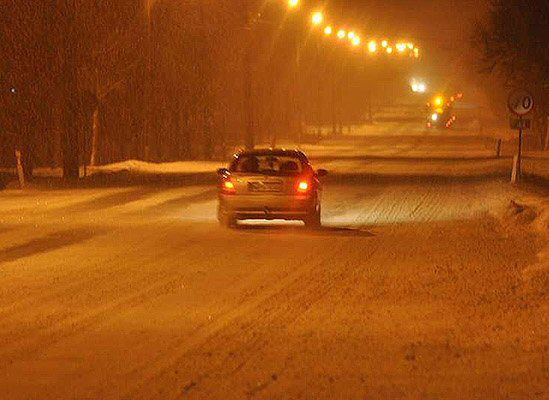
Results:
<point x="520" y="102"/>
<point x="520" y="123"/>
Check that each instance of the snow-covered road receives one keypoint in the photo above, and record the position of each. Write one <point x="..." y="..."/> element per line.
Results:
<point x="411" y="290"/>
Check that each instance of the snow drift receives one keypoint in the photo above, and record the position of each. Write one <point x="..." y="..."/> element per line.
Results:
<point x="534" y="212"/>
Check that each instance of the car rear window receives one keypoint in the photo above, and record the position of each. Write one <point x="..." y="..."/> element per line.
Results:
<point x="267" y="165"/>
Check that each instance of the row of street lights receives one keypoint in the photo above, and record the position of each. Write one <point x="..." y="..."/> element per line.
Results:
<point x="342" y="35"/>
<point x="373" y="46"/>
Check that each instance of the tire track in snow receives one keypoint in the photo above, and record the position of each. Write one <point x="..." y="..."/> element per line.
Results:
<point x="303" y="292"/>
<point x="302" y="289"/>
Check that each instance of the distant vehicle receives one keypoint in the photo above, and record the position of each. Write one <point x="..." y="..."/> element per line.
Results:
<point x="441" y="112"/>
<point x="270" y="184"/>
<point x="441" y="119"/>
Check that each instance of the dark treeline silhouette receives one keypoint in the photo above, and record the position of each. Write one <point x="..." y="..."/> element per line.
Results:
<point x="512" y="43"/>
<point x="98" y="81"/>
<point x="103" y="80"/>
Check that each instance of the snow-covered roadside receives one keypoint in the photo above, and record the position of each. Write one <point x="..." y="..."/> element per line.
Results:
<point x="142" y="167"/>
<point x="533" y="212"/>
<point x="536" y="164"/>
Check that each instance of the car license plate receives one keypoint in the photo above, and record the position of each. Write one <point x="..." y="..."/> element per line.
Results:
<point x="269" y="186"/>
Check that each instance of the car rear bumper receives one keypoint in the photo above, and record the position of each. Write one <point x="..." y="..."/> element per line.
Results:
<point x="267" y="206"/>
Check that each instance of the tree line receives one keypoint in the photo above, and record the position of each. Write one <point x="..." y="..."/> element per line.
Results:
<point x="97" y="81"/>
<point x="511" y="44"/>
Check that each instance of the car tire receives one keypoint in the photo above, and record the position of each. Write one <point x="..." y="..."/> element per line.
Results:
<point x="226" y="218"/>
<point x="312" y="221"/>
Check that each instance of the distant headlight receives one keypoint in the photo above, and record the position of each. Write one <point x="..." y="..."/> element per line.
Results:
<point x="434" y="117"/>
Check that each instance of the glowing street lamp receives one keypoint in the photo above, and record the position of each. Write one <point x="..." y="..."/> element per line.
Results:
<point x="384" y="44"/>
<point x="389" y="50"/>
<point x="438" y="101"/>
<point x="328" y="30"/>
<point x="401" y="47"/>
<point x="317" y="18"/>
<point x="351" y="35"/>
<point x="372" y="46"/>
<point x="293" y="3"/>
<point x="356" y="41"/>
<point x="341" y="34"/>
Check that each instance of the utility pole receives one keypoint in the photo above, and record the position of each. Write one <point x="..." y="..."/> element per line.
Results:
<point x="145" y="135"/>
<point x="319" y="83"/>
<point x="298" y="89"/>
<point x="68" y="42"/>
<point x="247" y="77"/>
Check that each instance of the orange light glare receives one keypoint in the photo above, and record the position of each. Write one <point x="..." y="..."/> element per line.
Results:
<point x="317" y="18"/>
<point x="341" y="34"/>
<point x="401" y="47"/>
<point x="293" y="3"/>
<point x="372" y="46"/>
<point x="228" y="185"/>
<point x="303" y="186"/>
<point x="328" y="30"/>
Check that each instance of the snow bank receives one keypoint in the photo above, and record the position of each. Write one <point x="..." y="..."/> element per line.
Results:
<point x="144" y="168"/>
<point x="536" y="164"/>
<point x="534" y="212"/>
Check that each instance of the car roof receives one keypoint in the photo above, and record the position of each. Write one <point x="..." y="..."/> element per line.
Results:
<point x="272" y="152"/>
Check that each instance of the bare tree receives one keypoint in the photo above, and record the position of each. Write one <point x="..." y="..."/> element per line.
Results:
<point x="512" y="42"/>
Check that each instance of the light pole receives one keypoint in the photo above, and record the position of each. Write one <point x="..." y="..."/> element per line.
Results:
<point x="145" y="135"/>
<point x="247" y="70"/>
<point x="317" y="18"/>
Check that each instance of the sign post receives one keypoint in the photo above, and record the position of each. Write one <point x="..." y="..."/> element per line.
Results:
<point x="520" y="103"/>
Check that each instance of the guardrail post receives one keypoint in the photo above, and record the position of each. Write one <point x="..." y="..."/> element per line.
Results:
<point x="498" y="148"/>
<point x="20" y="172"/>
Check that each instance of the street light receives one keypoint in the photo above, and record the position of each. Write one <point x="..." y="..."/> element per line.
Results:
<point x="328" y="30"/>
<point x="372" y="46"/>
<point x="317" y="18"/>
<point x="356" y="41"/>
<point x="438" y="101"/>
<point x="293" y="3"/>
<point x="389" y="50"/>
<point x="341" y="34"/>
<point x="351" y="35"/>
<point x="384" y="43"/>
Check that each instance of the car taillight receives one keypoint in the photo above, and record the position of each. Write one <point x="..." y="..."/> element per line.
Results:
<point x="227" y="186"/>
<point x="303" y="187"/>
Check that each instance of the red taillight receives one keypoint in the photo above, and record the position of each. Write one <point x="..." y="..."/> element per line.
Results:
<point x="303" y="187"/>
<point x="227" y="187"/>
